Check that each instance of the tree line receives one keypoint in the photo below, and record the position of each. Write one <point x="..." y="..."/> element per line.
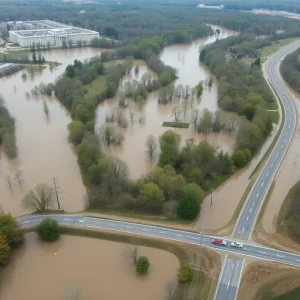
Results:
<point x="290" y="70"/>
<point x="7" y="131"/>
<point x="174" y="20"/>
<point x="242" y="90"/>
<point x="10" y="236"/>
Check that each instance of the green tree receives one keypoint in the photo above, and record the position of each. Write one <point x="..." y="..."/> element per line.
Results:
<point x="195" y="175"/>
<point x="10" y="228"/>
<point x="185" y="272"/>
<point x="194" y="191"/>
<point x="199" y="89"/>
<point x="84" y="112"/>
<point x="142" y="265"/>
<point x="169" y="146"/>
<point x="76" y="132"/>
<point x="239" y="158"/>
<point x="34" y="57"/>
<point x="4" y="249"/>
<point x="188" y="208"/>
<point x="248" y="110"/>
<point x="152" y="196"/>
<point x="48" y="230"/>
<point x="97" y="171"/>
<point x="88" y="152"/>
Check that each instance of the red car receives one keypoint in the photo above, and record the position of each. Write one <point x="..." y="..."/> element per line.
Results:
<point x="219" y="242"/>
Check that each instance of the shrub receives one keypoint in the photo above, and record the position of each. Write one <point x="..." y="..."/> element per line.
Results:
<point x="142" y="265"/>
<point x="4" y="249"/>
<point x="185" y="273"/>
<point x="48" y="230"/>
<point x="188" y="208"/>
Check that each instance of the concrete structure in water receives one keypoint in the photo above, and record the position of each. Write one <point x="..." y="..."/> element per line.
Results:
<point x="49" y="34"/>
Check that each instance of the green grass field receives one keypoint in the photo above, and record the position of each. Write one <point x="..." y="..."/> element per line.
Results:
<point x="274" y="116"/>
<point x="176" y="124"/>
<point x="95" y="87"/>
<point x="291" y="295"/>
<point x="265" y="52"/>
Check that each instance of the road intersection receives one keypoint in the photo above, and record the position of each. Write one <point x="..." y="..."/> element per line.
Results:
<point x="250" y="211"/>
<point x="231" y="273"/>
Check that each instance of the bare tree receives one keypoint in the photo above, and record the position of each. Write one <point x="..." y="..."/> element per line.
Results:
<point x="132" y="253"/>
<point x="121" y="119"/>
<point x="185" y="105"/>
<point x="176" y="112"/>
<point x="195" y="117"/>
<point x="151" y="146"/>
<point x="18" y="177"/>
<point x="8" y="180"/>
<point x="38" y="199"/>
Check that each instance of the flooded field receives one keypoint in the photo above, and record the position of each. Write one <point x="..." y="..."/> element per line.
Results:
<point x="184" y="58"/>
<point x="218" y="208"/>
<point x="97" y="268"/>
<point x="43" y="148"/>
<point x="44" y="151"/>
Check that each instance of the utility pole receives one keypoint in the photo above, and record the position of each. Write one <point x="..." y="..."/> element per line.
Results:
<point x="56" y="193"/>
<point x="274" y="218"/>
<point x="211" y="203"/>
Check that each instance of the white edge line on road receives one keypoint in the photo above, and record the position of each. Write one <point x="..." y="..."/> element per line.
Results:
<point x="239" y="281"/>
<point x="220" y="277"/>
<point x="276" y="145"/>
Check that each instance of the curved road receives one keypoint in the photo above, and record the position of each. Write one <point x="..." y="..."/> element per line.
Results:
<point x="250" y="211"/>
<point x="231" y="272"/>
<point x="246" y="222"/>
<point x="249" y="249"/>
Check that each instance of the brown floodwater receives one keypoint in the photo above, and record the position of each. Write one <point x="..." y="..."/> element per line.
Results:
<point x="288" y="175"/>
<point x="43" y="148"/>
<point x="97" y="268"/>
<point x="185" y="58"/>
<point x="226" y="197"/>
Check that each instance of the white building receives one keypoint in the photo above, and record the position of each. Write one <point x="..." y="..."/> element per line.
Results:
<point x="49" y="34"/>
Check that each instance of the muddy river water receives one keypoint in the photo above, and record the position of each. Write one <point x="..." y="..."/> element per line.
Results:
<point x="184" y="58"/>
<point x="97" y="268"/>
<point x="43" y="148"/>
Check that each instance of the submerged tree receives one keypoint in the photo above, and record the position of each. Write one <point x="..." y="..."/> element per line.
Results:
<point x="46" y="109"/>
<point x="38" y="199"/>
<point x="151" y="146"/>
<point x="176" y="113"/>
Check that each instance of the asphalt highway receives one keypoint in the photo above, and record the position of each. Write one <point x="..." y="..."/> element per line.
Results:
<point x="246" y="222"/>
<point x="257" y="195"/>
<point x="231" y="273"/>
<point x="249" y="249"/>
<point x="230" y="279"/>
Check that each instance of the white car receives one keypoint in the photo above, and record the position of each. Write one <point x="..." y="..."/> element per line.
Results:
<point x="237" y="244"/>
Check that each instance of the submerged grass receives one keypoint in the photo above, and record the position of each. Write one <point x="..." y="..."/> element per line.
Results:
<point x="176" y="124"/>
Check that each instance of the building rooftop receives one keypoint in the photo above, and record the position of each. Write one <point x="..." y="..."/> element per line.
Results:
<point x="45" y="28"/>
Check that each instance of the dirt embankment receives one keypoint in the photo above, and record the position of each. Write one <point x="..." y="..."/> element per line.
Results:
<point x="266" y="279"/>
